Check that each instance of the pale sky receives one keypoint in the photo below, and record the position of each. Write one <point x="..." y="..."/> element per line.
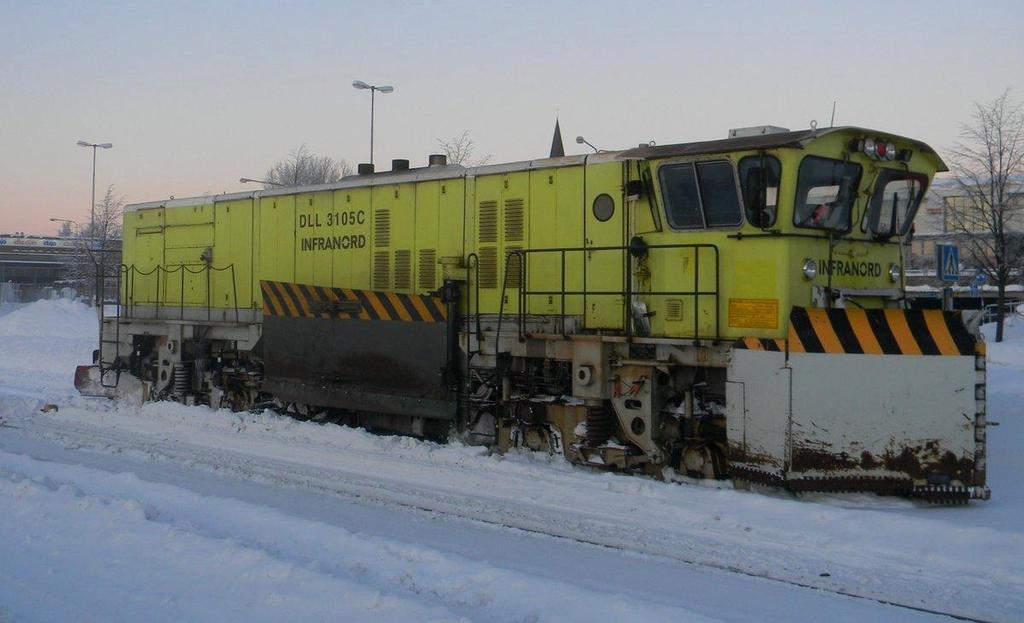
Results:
<point x="194" y="95"/>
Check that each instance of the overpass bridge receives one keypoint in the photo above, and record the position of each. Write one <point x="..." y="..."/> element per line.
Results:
<point x="33" y="267"/>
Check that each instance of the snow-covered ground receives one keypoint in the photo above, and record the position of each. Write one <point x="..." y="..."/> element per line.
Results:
<point x="165" y="512"/>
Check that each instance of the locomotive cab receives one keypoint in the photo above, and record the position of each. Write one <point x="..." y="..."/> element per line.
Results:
<point x="831" y="383"/>
<point x="807" y="219"/>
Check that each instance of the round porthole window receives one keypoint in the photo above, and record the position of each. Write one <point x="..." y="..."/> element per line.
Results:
<point x="604" y="207"/>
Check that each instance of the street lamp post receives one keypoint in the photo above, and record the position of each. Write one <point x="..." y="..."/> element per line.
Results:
<point x="97" y="268"/>
<point x="359" y="84"/>
<point x="581" y="140"/>
<point x="92" y="206"/>
<point x="246" y="180"/>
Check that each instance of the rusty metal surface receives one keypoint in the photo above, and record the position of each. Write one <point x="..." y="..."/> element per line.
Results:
<point x="881" y="485"/>
<point x="739" y="453"/>
<point x="914" y="461"/>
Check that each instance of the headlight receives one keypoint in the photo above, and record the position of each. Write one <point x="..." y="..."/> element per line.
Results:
<point x="890" y="151"/>
<point x="810" y="269"/>
<point x="869" y="147"/>
<point x="894" y="273"/>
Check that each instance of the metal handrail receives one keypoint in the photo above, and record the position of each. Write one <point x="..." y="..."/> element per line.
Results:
<point x="103" y="279"/>
<point x="132" y="271"/>
<point x="472" y="295"/>
<point x="524" y="292"/>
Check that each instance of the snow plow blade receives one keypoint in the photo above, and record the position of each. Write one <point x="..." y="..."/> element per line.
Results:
<point x="890" y="401"/>
<point x="91" y="381"/>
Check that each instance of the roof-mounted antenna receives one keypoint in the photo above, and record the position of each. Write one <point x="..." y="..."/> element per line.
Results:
<point x="832" y="122"/>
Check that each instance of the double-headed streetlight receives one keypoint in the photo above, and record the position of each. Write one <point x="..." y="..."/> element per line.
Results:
<point x="92" y="206"/>
<point x="359" y="84"/>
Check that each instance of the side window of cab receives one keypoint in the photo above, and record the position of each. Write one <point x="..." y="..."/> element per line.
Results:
<point x="700" y="195"/>
<point x="759" y="181"/>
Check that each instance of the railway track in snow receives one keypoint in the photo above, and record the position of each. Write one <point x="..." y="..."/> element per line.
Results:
<point x="891" y="581"/>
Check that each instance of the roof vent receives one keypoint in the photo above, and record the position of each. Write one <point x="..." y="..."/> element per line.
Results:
<point x="437" y="160"/>
<point x="364" y="168"/>
<point x="756" y="130"/>
<point x="400" y="164"/>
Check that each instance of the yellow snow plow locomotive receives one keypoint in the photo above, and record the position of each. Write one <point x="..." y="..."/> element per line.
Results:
<point x="722" y="309"/>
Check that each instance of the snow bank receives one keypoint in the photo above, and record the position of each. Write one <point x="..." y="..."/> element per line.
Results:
<point x="40" y="345"/>
<point x="159" y="552"/>
<point x="57" y="318"/>
<point x="7" y="308"/>
<point x="1009" y="352"/>
<point x="136" y="561"/>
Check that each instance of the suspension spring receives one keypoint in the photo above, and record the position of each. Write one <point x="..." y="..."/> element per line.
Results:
<point x="182" y="379"/>
<point x="600" y="425"/>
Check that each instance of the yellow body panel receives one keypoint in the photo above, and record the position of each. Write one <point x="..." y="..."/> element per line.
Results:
<point x="144" y="252"/>
<point x="402" y="236"/>
<point x="278" y="236"/>
<point x="350" y="225"/>
<point x="234" y="250"/>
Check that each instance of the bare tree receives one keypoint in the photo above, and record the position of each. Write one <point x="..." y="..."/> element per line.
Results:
<point x="109" y="217"/>
<point x="99" y="247"/>
<point x="460" y="150"/>
<point x="65" y="231"/>
<point x="303" y="168"/>
<point x="989" y="168"/>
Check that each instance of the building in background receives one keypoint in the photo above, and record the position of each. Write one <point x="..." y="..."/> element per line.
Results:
<point x="945" y="217"/>
<point x="945" y="214"/>
<point x="40" y="267"/>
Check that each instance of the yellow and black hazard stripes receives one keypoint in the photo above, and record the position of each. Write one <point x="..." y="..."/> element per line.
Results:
<point x="762" y="343"/>
<point x="871" y="332"/>
<point x="308" y="301"/>
<point x="878" y="332"/>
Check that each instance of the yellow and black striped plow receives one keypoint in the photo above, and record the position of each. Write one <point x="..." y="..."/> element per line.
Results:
<point x="872" y="332"/>
<point x="300" y="300"/>
<point x="762" y="343"/>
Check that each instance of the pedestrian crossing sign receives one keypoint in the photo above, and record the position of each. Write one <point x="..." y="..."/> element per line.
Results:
<point x="948" y="262"/>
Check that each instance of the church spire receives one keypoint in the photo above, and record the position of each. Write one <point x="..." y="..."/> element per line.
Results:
<point x="557" y="149"/>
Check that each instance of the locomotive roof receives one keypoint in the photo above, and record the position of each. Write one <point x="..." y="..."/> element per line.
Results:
<point x="442" y="172"/>
<point x="795" y="139"/>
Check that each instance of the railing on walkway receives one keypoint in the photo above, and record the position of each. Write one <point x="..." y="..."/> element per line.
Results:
<point x="517" y="263"/>
<point x="129" y="274"/>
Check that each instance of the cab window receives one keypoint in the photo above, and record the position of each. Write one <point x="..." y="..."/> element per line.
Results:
<point x="699" y="195"/>
<point x="759" y="180"/>
<point x="825" y="193"/>
<point x="893" y="204"/>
